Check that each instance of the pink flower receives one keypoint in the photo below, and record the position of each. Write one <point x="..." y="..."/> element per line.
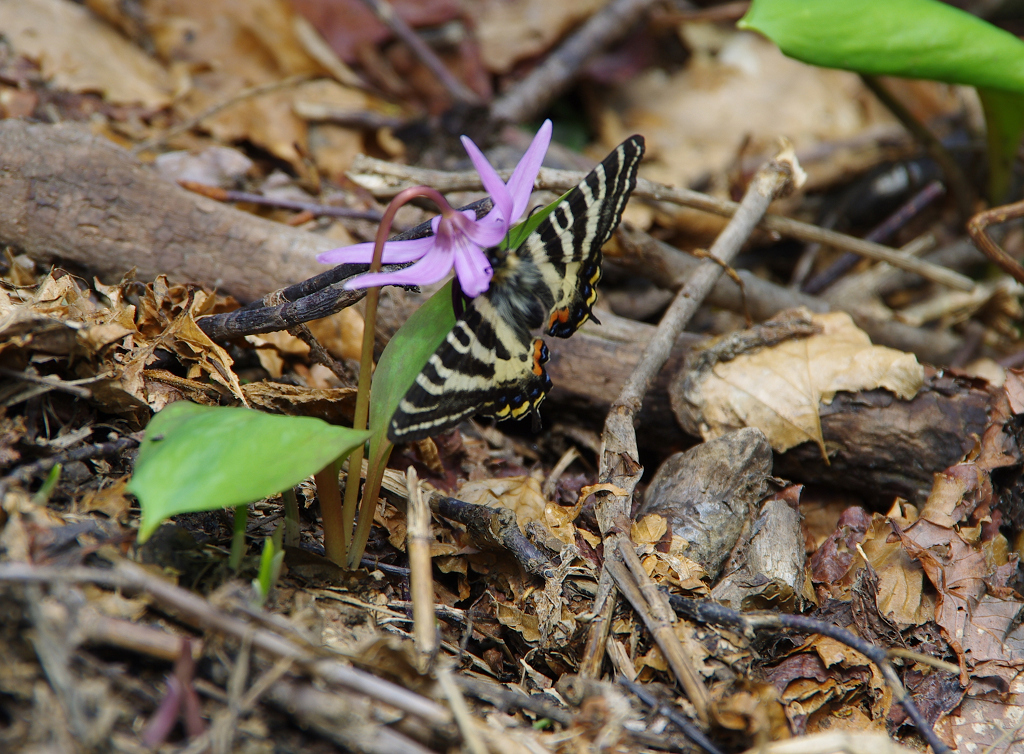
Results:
<point x="459" y="238"/>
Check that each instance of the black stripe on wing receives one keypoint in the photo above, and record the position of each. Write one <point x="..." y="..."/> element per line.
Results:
<point x="489" y="363"/>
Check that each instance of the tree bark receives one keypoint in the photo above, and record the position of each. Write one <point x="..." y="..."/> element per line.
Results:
<point x="66" y="195"/>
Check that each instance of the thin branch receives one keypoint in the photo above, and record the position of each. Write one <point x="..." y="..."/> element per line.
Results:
<point x="977" y="227"/>
<point x="367" y="171"/>
<point x="195" y="120"/>
<point x="887" y="228"/>
<point x="656" y="617"/>
<point x="318" y="210"/>
<point x="421" y="578"/>
<point x="387" y="16"/>
<point x="620" y="469"/>
<point x="553" y="76"/>
<point x="958" y="183"/>
<point x="690" y="730"/>
<point x="749" y="624"/>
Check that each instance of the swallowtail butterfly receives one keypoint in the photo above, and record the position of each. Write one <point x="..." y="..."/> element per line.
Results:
<point x="489" y="363"/>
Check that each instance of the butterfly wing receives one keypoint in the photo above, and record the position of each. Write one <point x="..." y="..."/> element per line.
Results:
<point x="567" y="248"/>
<point x="489" y="363"/>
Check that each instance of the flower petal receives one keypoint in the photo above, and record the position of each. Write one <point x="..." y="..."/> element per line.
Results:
<point x="431" y="268"/>
<point x="491" y="180"/>
<point x="395" y="252"/>
<point x="473" y="269"/>
<point x="520" y="185"/>
<point x="487" y="232"/>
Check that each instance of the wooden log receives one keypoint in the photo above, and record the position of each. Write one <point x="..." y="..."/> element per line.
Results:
<point x="66" y="195"/>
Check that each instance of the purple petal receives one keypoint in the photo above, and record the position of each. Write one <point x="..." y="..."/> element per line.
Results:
<point x="429" y="269"/>
<point x="520" y="185"/>
<point x="492" y="181"/>
<point x="473" y="269"/>
<point x="395" y="252"/>
<point x="487" y="232"/>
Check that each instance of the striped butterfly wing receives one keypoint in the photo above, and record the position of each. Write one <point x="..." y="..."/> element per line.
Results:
<point x="489" y="363"/>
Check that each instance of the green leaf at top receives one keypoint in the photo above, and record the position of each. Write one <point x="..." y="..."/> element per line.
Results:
<point x="923" y="39"/>
<point x="200" y="458"/>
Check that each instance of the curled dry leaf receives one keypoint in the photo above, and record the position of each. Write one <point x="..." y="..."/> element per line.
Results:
<point x="79" y="53"/>
<point x="778" y="386"/>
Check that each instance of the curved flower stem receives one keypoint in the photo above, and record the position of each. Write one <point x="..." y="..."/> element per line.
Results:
<point x="355" y="462"/>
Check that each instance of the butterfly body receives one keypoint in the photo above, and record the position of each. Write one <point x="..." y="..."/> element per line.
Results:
<point x="490" y="363"/>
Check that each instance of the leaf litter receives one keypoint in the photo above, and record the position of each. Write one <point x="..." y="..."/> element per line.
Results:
<point x="94" y="360"/>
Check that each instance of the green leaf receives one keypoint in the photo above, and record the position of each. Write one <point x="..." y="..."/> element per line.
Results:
<point x="1004" y="124"/>
<point x="923" y="39"/>
<point x="404" y="358"/>
<point x="200" y="458"/>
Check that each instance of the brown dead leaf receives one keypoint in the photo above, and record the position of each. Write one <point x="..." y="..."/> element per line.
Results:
<point x="110" y="501"/>
<point x="779" y="389"/>
<point x="349" y="24"/>
<point x="231" y="45"/>
<point x="1014" y="387"/>
<point x="514" y="30"/>
<point x="520" y="494"/>
<point x="737" y="87"/>
<point x="990" y="723"/>
<point x="974" y="620"/>
<point x="900" y="592"/>
<point x="512" y="617"/>
<point x="333" y="405"/>
<point x="78" y="52"/>
<point x="648" y="530"/>
<point x="341" y="334"/>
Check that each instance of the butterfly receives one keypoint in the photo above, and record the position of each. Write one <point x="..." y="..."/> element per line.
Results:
<point x="490" y="363"/>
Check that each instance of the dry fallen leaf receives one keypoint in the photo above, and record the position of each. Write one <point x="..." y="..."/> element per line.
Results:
<point x="78" y="52"/>
<point x="513" y="30"/>
<point x="232" y="45"/>
<point x="779" y="389"/>
<point x="739" y="92"/>
<point x="520" y="494"/>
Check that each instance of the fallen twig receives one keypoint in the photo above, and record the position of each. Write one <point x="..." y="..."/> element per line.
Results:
<point x="751" y="623"/>
<point x="620" y="468"/>
<point x="669" y="267"/>
<point x="894" y="222"/>
<point x="387" y="16"/>
<point x="365" y="171"/>
<point x="550" y="78"/>
<point x="421" y="579"/>
<point x="690" y="730"/>
<point x="641" y="592"/>
<point x="978" y="226"/>
<point x="317" y="210"/>
<point x="248" y="93"/>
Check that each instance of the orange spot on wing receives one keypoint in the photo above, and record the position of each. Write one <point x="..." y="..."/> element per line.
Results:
<point x="538" y="345"/>
<point x="560" y="315"/>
